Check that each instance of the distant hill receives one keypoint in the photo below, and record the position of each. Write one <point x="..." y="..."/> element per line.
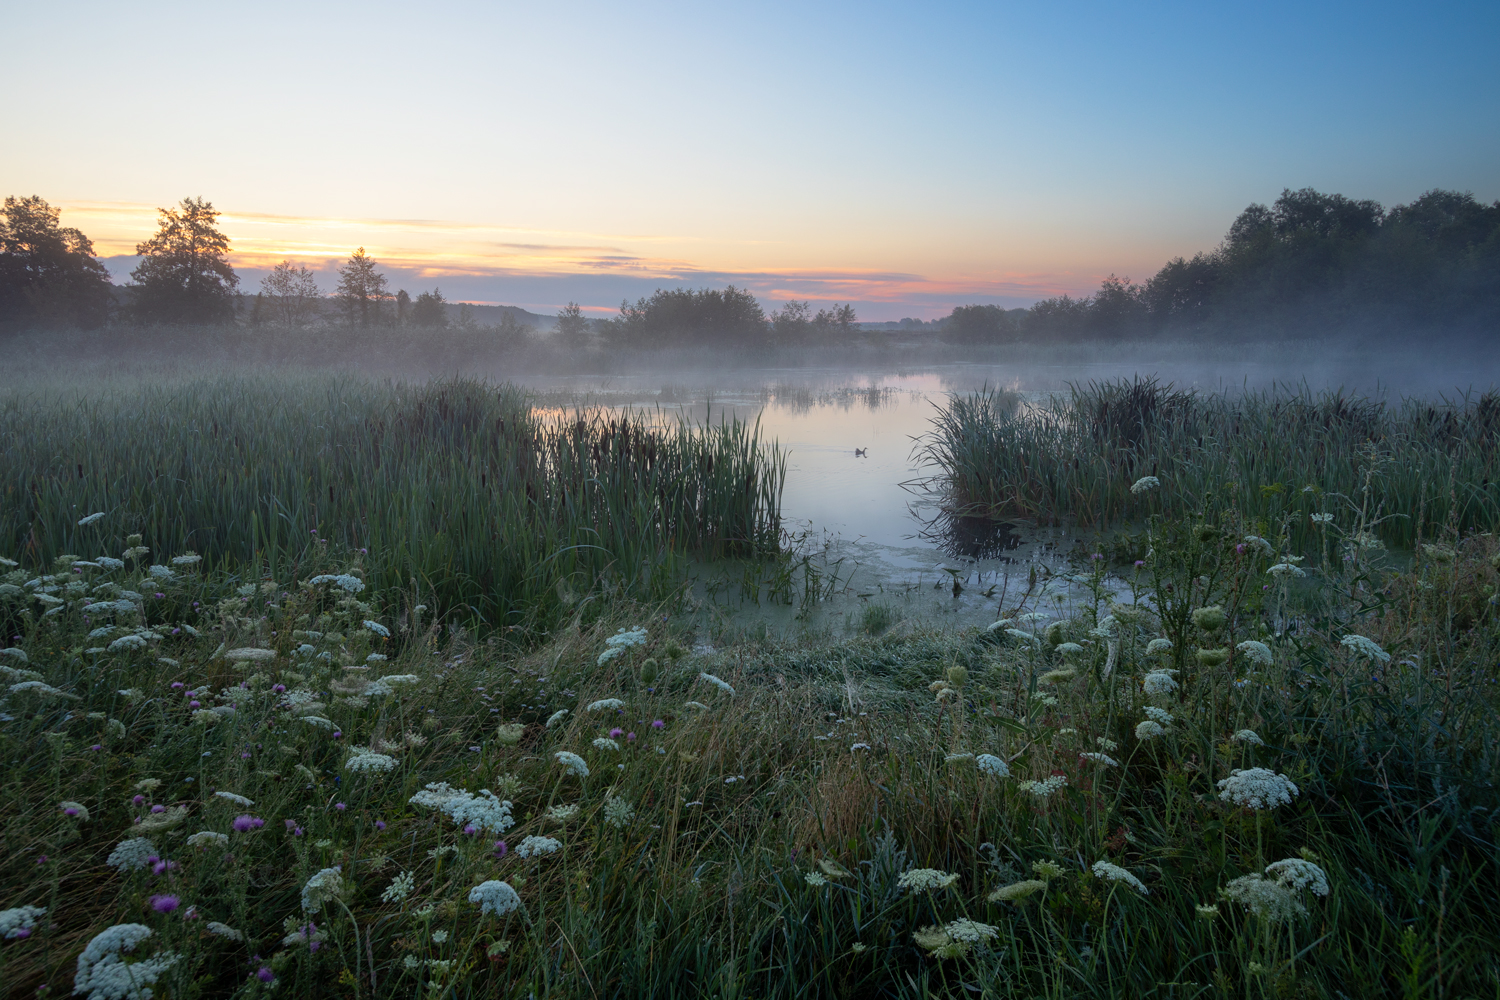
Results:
<point x="492" y="315"/>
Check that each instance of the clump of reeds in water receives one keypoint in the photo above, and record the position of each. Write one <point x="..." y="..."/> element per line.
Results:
<point x="459" y="486"/>
<point x="1283" y="453"/>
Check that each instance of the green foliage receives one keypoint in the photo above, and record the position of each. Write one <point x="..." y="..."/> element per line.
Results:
<point x="184" y="275"/>
<point x="48" y="274"/>
<point x="457" y="488"/>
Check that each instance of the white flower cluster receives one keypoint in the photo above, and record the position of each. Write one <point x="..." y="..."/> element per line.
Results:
<point x="535" y="847"/>
<point x="1144" y="484"/>
<point x="603" y="705"/>
<point x="1298" y="874"/>
<point x="716" y="682"/>
<point x="217" y="929"/>
<point x="377" y="628"/>
<point x="389" y="683"/>
<point x="495" y="897"/>
<point x="400" y="887"/>
<point x="343" y="581"/>
<point x="484" y="811"/>
<point x="992" y="765"/>
<point x="617" y="644"/>
<point x="238" y="800"/>
<point x="102" y="973"/>
<point x="1262" y="546"/>
<point x="556" y="717"/>
<point x="1247" y="736"/>
<point x="1046" y="787"/>
<point x="19" y="922"/>
<point x="1365" y="647"/>
<point x="618" y="812"/>
<point x="1257" y="653"/>
<point x="925" y="880"/>
<point x="1159" y="683"/>
<point x="572" y="763"/>
<point x="1285" y="570"/>
<point x="208" y="838"/>
<point x="324" y="887"/>
<point x="1149" y="729"/>
<point x="605" y="743"/>
<point x="1257" y="788"/>
<point x="1103" y="869"/>
<point x="955" y="938"/>
<point x="131" y="855"/>
<point x="366" y="761"/>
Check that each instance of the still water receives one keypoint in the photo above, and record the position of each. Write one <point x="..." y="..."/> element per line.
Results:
<point x="852" y="437"/>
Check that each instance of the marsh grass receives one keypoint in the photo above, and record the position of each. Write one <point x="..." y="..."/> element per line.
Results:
<point x="458" y="489"/>
<point x="1286" y="452"/>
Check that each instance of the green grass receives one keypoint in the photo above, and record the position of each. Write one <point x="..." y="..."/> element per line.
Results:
<point x="459" y="490"/>
<point x="1278" y="453"/>
<point x="830" y="751"/>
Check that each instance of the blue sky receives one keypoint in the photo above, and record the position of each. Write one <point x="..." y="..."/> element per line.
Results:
<point x="907" y="157"/>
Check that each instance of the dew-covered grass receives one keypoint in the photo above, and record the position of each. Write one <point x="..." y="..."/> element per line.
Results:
<point x="903" y="810"/>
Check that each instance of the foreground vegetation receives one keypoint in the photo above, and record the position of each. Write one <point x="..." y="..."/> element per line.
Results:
<point x="1290" y="456"/>
<point x="458" y="490"/>
<point x="1247" y="774"/>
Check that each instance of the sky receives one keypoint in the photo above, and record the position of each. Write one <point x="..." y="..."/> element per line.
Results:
<point x="905" y="157"/>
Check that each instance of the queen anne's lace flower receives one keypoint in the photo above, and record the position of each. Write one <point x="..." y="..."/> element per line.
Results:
<point x="1257" y="653"/>
<point x="238" y="800"/>
<point x="622" y="640"/>
<point x="484" y="811"/>
<point x="19" y="922"/>
<point x="1149" y="730"/>
<point x="925" y="880"/>
<point x="955" y="938"/>
<point x="1365" y="647"/>
<point x="1144" y="484"/>
<point x="324" y="887"/>
<point x="1257" y="788"/>
<point x="604" y="705"/>
<point x="618" y="812"/>
<point x="1298" y="874"/>
<point x="556" y="717"/>
<point x="1158" y="715"/>
<point x="1285" y="570"/>
<point x="131" y="855"/>
<point x="399" y="888"/>
<point x="605" y="743"/>
<point x="1016" y="891"/>
<point x="364" y="761"/>
<point x="1247" y="736"/>
<point x="572" y="763"/>
<point x="815" y="879"/>
<point x="535" y="847"/>
<point x="1266" y="898"/>
<point x="1101" y="758"/>
<point x="1046" y="787"/>
<point x="223" y="930"/>
<point x="992" y="765"/>
<point x="1158" y="683"/>
<point x="208" y="838"/>
<point x="495" y="897"/>
<point x="716" y="682"/>
<point x="102" y="973"/>
<point x="1103" y="869"/>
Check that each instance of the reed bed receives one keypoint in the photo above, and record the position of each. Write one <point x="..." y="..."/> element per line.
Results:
<point x="1277" y="455"/>
<point x="459" y="489"/>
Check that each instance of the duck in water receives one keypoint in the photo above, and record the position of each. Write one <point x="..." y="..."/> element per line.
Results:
<point x="860" y="452"/>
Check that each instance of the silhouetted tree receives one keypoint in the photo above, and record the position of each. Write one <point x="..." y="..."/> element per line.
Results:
<point x="184" y="275"/>
<point x="430" y="310"/>
<point x="980" y="325"/>
<point x="572" y="327"/>
<point x="48" y="274"/>
<point x="361" y="289"/>
<point x="682" y="317"/>
<point x="291" y="294"/>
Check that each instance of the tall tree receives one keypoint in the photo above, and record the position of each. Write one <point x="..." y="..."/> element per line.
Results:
<point x="184" y="276"/>
<point x="430" y="309"/>
<point x="48" y="274"/>
<point x="361" y="289"/>
<point x="292" y="293"/>
<point x="572" y="326"/>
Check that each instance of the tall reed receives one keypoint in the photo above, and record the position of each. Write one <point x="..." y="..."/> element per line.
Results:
<point x="1272" y="453"/>
<point x="458" y="487"/>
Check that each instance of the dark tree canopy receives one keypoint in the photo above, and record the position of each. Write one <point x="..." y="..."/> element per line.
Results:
<point x="361" y="290"/>
<point x="48" y="274"/>
<point x="291" y="293"/>
<point x="688" y="318"/>
<point x="430" y="309"/>
<point x="185" y="276"/>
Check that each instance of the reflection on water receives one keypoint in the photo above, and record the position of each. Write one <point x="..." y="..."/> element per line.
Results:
<point x="849" y="437"/>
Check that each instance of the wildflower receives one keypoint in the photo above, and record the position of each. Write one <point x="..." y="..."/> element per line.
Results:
<point x="1284" y="570"/>
<point x="572" y="763"/>
<point x="1158" y="715"/>
<point x="1048" y="870"/>
<point x="511" y="733"/>
<point x="324" y="887"/>
<point x="556" y="717"/>
<point x="75" y="810"/>
<point x="955" y="938"/>
<point x="250" y="653"/>
<point x="1247" y="736"/>
<point x="483" y="810"/>
<point x="439" y="937"/>
<point x="1016" y="891"/>
<point x="950" y="758"/>
<point x="245" y="823"/>
<point x="859" y="746"/>
<point x="1100" y="758"/>
<point x="833" y="869"/>
<point x="815" y="880"/>
<point x="1159" y="682"/>
<point x="131" y="855"/>
<point x="716" y="682"/>
<point x="696" y="705"/>
<point x="858" y="949"/>
<point x="1257" y="788"/>
<point x="318" y="721"/>
<point x="1016" y="633"/>
<point x="658" y="724"/>
<point x="102" y="973"/>
<point x="618" y="812"/>
<point x="1268" y="899"/>
<point x="1053" y="676"/>
<point x="265" y="975"/>
<point x="187" y="559"/>
<point x="165" y="903"/>
<point x="19" y="922"/>
<point x="223" y="930"/>
<point x="1257" y="653"/>
<point x="238" y="800"/>
<point x="1149" y="730"/>
<point x="1210" y="618"/>
<point x="1207" y="911"/>
<point x="400" y="887"/>
<point x="1103" y="869"/>
<point x="1359" y="644"/>
<point x="991" y="765"/>
<point x="561" y="814"/>
<point x="1298" y="874"/>
<point x="364" y="761"/>
<point x="41" y="689"/>
<point x="535" y="847"/>
<point x="207" y="838"/>
<point x="1069" y="648"/>
<point x="377" y="628"/>
<point x="925" y="880"/>
<point x="1046" y="787"/>
<point x="85" y="522"/>
<point x="1145" y="484"/>
<point x="495" y="897"/>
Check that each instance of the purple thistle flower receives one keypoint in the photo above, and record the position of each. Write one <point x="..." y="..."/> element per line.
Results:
<point x="194" y="704"/>
<point x="658" y="724"/>
<point x="70" y="811"/>
<point x="158" y="808"/>
<point x="629" y="737"/>
<point x="243" y="824"/>
<point x="500" y="848"/>
<point x="471" y="829"/>
<point x="165" y="904"/>
<point x="380" y="824"/>
<point x="340" y="806"/>
<point x="265" y="975"/>
<point x="615" y="733"/>
<point x="138" y="800"/>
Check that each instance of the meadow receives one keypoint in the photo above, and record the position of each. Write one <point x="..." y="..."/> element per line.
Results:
<point x="1259" y="761"/>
